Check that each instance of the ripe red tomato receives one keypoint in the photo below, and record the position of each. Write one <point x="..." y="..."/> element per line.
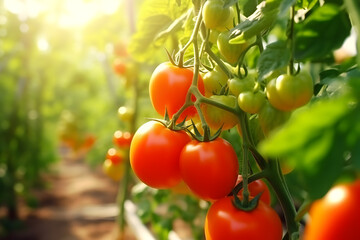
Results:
<point x="155" y="152"/>
<point x="115" y="156"/>
<point x="122" y="139"/>
<point x="256" y="187"/>
<point x="210" y="169"/>
<point x="168" y="88"/>
<point x="225" y="221"/>
<point x="336" y="216"/>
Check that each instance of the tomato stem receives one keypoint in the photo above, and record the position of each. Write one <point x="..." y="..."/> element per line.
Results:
<point x="291" y="40"/>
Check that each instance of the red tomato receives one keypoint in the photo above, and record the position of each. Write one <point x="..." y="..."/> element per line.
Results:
<point x="210" y="169"/>
<point x="115" y="156"/>
<point x="256" y="187"/>
<point x="168" y="88"/>
<point x="155" y="152"/>
<point x="336" y="216"/>
<point x="122" y="139"/>
<point x="225" y="221"/>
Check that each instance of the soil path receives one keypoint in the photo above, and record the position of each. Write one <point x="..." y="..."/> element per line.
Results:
<point x="79" y="205"/>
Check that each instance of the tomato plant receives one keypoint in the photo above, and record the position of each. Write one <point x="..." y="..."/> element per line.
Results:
<point x="335" y="215"/>
<point x="216" y="16"/>
<point x="155" y="152"/>
<point x="225" y="221"/>
<point x="214" y="81"/>
<point x="210" y="169"/>
<point x="168" y="88"/>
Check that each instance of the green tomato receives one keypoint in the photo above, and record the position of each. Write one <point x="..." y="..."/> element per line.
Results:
<point x="126" y="114"/>
<point x="216" y="117"/>
<point x="230" y="52"/>
<point x="271" y="118"/>
<point x="214" y="81"/>
<point x="288" y="92"/>
<point x="238" y="85"/>
<point x="215" y="15"/>
<point x="251" y="102"/>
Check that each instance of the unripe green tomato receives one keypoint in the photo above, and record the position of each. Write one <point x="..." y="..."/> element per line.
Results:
<point x="114" y="171"/>
<point x="214" y="14"/>
<point x="251" y="102"/>
<point x="125" y="114"/>
<point x="230" y="52"/>
<point x="216" y="117"/>
<point x="288" y="92"/>
<point x="228" y="23"/>
<point x="238" y="85"/>
<point x="271" y="118"/>
<point x="214" y="81"/>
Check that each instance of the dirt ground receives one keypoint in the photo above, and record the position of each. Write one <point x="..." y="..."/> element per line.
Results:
<point x="79" y="205"/>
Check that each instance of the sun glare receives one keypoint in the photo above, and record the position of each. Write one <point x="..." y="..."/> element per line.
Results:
<point x="69" y="13"/>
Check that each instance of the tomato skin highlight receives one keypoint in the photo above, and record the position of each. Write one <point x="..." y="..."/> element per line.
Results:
<point x="336" y="215"/>
<point x="224" y="221"/>
<point x="210" y="169"/>
<point x="154" y="154"/>
<point x="168" y="88"/>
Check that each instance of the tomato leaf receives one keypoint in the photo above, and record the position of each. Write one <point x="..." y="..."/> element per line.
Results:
<point x="275" y="56"/>
<point x="257" y="23"/>
<point x="314" y="34"/>
<point x="316" y="140"/>
<point x="155" y="17"/>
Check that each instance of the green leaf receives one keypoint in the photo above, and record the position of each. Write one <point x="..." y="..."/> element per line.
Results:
<point x="258" y="23"/>
<point x="285" y="6"/>
<point x="156" y="17"/>
<point x="275" y="56"/>
<point x="315" y="141"/>
<point x="322" y="32"/>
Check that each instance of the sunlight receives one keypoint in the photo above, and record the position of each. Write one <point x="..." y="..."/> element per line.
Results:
<point x="69" y="13"/>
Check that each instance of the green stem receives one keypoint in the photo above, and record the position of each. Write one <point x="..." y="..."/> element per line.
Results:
<point x="283" y="196"/>
<point x="291" y="40"/>
<point x="218" y="61"/>
<point x="251" y="178"/>
<point x="245" y="175"/>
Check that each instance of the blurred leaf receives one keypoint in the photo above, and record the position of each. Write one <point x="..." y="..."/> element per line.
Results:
<point x="275" y="56"/>
<point x="322" y="32"/>
<point x="285" y="6"/>
<point x="155" y="17"/>
<point x="315" y="141"/>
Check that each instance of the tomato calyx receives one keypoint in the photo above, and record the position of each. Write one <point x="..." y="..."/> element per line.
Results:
<point x="245" y="205"/>
<point x="207" y="137"/>
<point x="170" y="123"/>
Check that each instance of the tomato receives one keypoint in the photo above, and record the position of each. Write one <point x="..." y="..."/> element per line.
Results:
<point x="214" y="81"/>
<point x="155" y="152"/>
<point x="271" y="118"/>
<point x="122" y="139"/>
<point x="168" y="88"/>
<point x="336" y="215"/>
<point x="251" y="102"/>
<point x="288" y="92"/>
<point x="230" y="52"/>
<point x="216" y="117"/>
<point x="119" y="66"/>
<point x="112" y="170"/>
<point x="225" y="221"/>
<point x="237" y="85"/>
<point x="256" y="187"/>
<point x="115" y="156"/>
<point x="215" y="16"/>
<point x="126" y="114"/>
<point x="210" y="169"/>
